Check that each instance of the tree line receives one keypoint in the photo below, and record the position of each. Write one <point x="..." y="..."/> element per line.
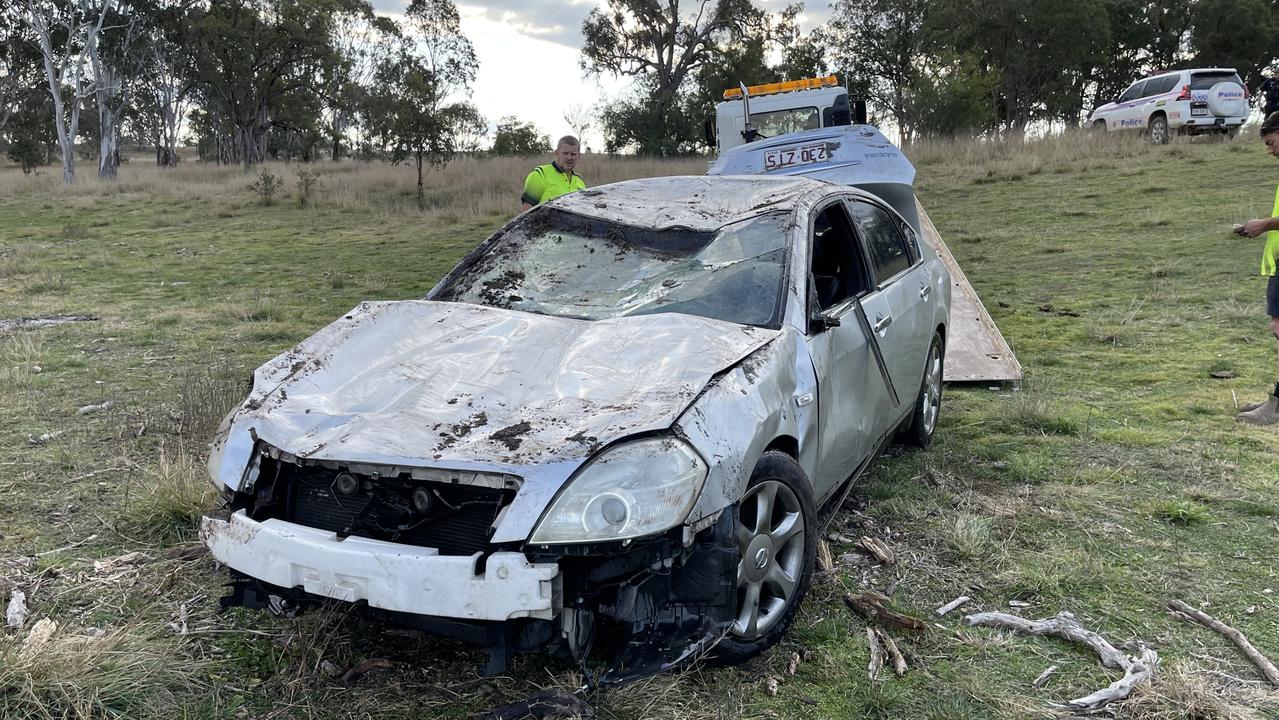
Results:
<point x="248" y="80"/>
<point x="930" y="67"/>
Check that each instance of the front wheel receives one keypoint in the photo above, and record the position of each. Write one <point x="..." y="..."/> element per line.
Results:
<point x="923" y="423"/>
<point x="1159" y="130"/>
<point x="776" y="536"/>
<point x="1099" y="126"/>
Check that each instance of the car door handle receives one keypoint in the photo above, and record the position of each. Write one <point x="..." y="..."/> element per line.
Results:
<point x="882" y="321"/>
<point x="925" y="291"/>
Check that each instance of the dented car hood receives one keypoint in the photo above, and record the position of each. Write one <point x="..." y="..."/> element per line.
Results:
<point x="423" y="383"/>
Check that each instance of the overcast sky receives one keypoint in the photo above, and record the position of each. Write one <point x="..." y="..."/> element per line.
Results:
<point x="529" y="53"/>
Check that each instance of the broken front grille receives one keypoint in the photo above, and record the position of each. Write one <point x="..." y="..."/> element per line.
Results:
<point x="453" y="518"/>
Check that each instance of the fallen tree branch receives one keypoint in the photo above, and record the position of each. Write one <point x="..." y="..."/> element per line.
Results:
<point x="951" y="605"/>
<point x="876" y="654"/>
<point x="1137" y="670"/>
<point x="894" y="653"/>
<point x="1042" y="680"/>
<point x="825" y="563"/>
<point x="878" y="549"/>
<point x="1196" y="615"/>
<point x="1062" y="625"/>
<point x="874" y="607"/>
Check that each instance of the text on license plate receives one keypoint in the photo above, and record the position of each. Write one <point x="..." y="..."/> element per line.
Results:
<point x="801" y="155"/>
<point x="1198" y="111"/>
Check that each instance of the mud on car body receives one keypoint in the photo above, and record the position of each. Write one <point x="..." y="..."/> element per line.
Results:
<point x="614" y="430"/>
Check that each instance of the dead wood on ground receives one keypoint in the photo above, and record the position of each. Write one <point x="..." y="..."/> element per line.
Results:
<point x="1137" y="669"/>
<point x="1196" y="615"/>
<point x="874" y="607"/>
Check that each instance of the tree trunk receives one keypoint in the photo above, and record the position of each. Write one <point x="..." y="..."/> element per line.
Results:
<point x="420" y="202"/>
<point x="108" y="145"/>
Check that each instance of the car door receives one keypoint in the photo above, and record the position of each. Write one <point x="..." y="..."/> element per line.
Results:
<point x="900" y="305"/>
<point x="1127" y="115"/>
<point x="852" y="395"/>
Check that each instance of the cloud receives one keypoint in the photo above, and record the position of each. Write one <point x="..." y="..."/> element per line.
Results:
<point x="561" y="22"/>
<point x="557" y="22"/>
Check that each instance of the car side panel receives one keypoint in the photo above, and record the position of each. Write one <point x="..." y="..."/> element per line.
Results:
<point x="746" y="409"/>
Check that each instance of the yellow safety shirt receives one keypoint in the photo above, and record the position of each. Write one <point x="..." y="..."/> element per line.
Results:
<point x="548" y="182"/>
<point x="1272" y="244"/>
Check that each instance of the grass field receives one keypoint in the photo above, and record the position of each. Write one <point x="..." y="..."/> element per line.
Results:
<point x="1114" y="479"/>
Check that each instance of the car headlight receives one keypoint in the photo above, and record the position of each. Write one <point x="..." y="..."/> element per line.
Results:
<point x="631" y="490"/>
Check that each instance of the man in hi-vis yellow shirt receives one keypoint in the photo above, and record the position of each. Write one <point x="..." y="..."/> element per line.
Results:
<point x="1267" y="412"/>
<point x="547" y="182"/>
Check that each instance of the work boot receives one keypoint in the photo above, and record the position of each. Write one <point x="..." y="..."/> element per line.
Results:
<point x="1250" y="406"/>
<point x="1265" y="414"/>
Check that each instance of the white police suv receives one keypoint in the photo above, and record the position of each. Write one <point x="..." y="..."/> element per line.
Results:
<point x="1188" y="102"/>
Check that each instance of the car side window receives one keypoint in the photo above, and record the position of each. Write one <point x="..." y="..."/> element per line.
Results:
<point x="1133" y="92"/>
<point x="1159" y="85"/>
<point x="837" y="269"/>
<point x="889" y="251"/>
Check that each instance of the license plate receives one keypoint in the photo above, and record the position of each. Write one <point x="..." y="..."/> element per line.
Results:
<point x="801" y="155"/>
<point x="1198" y="111"/>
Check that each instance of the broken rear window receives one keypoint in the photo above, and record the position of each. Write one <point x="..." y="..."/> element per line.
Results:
<point x="559" y="263"/>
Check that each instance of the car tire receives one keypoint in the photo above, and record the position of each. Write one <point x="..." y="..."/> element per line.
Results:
<point x="1159" y="130"/>
<point x="775" y="529"/>
<point x="923" y="422"/>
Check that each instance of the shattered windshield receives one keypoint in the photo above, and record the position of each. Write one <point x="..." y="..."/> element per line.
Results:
<point x="559" y="263"/>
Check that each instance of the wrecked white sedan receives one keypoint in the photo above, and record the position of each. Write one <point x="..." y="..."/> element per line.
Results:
<point x="618" y="425"/>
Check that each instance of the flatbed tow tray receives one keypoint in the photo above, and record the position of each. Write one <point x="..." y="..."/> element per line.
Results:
<point x="975" y="349"/>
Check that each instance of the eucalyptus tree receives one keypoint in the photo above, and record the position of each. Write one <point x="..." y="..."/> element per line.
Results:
<point x="20" y="62"/>
<point x="117" y="60"/>
<point x="67" y="33"/>
<point x="362" y="40"/>
<point x="256" y="65"/>
<point x="162" y="87"/>
<point x="416" y="103"/>
<point x="660" y="45"/>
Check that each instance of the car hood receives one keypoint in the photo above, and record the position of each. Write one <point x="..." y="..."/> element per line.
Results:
<point x="417" y="383"/>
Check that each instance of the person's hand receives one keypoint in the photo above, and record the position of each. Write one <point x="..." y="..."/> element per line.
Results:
<point x="1253" y="228"/>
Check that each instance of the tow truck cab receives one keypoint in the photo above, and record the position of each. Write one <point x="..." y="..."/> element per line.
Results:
<point x="778" y="109"/>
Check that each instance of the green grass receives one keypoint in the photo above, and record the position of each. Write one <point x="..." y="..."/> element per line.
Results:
<point x="1114" y="479"/>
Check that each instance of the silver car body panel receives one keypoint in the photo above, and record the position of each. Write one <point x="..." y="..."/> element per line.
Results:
<point x="473" y="388"/>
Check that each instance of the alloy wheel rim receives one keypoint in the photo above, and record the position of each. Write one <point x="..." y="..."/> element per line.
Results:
<point x="770" y="537"/>
<point x="931" y="397"/>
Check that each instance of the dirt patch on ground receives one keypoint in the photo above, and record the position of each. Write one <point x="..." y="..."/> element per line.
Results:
<point x="46" y="321"/>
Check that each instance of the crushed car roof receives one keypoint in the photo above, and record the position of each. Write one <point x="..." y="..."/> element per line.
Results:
<point x="696" y="202"/>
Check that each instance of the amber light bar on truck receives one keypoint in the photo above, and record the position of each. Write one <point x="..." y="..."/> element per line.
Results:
<point x="780" y="87"/>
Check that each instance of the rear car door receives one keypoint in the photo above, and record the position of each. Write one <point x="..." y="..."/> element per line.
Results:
<point x="900" y="308"/>
<point x="851" y="394"/>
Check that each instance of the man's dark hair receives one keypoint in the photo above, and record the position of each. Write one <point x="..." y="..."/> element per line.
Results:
<point x="1270" y="124"/>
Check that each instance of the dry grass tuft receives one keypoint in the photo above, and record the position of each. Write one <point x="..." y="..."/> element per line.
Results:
<point x="205" y="397"/>
<point x="1184" y="693"/>
<point x="123" y="674"/>
<point x="170" y="497"/>
<point x="968" y="536"/>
